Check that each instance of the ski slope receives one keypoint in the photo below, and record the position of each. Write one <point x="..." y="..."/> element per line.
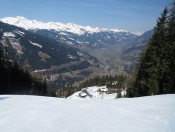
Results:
<point x="20" y="113"/>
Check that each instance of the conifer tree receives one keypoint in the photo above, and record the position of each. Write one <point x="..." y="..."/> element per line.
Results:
<point x="170" y="54"/>
<point x="156" y="72"/>
<point x="14" y="80"/>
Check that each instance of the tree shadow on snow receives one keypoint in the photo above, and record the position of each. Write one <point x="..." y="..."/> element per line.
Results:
<point x="3" y="98"/>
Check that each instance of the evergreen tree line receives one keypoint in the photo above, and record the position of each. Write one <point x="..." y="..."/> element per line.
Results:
<point x="14" y="80"/>
<point x="116" y="82"/>
<point x="155" y="73"/>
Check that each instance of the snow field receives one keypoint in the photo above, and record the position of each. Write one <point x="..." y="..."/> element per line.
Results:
<point x="19" y="113"/>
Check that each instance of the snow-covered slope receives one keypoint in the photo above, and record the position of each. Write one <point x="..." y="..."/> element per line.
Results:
<point x="46" y="114"/>
<point x="69" y="27"/>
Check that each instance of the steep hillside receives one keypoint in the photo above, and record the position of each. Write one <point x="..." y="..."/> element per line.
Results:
<point x="46" y="56"/>
<point x="104" y="44"/>
<point x="131" y="53"/>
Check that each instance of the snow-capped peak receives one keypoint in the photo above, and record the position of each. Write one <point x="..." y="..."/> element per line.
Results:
<point x="117" y="30"/>
<point x="68" y="27"/>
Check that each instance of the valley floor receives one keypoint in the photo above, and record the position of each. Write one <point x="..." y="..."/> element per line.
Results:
<point x="19" y="113"/>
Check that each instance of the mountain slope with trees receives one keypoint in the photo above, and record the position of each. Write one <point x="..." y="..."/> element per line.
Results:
<point x="15" y="80"/>
<point x="115" y="83"/>
<point x="130" y="54"/>
<point x="156" y="69"/>
<point x="103" y="44"/>
<point x="60" y="63"/>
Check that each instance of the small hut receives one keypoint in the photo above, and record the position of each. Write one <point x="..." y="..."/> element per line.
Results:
<point x="82" y="95"/>
<point x="103" y="90"/>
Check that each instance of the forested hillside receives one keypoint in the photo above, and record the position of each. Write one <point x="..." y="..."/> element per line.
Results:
<point x="155" y="73"/>
<point x="115" y="84"/>
<point x="14" y="80"/>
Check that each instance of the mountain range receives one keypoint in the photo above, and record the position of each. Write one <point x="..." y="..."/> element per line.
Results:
<point x="68" y="51"/>
<point x="69" y="27"/>
<point x="71" y="33"/>
<point x="46" y="56"/>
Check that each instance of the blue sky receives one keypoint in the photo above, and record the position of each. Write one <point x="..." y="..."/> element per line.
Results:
<point x="131" y="15"/>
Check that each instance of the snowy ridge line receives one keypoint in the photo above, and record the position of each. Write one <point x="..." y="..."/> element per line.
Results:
<point x="69" y="27"/>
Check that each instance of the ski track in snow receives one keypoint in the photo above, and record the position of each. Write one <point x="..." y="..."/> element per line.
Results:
<point x="20" y="113"/>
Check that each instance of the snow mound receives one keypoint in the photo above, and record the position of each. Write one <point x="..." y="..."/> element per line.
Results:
<point x="94" y="92"/>
<point x="8" y="34"/>
<point x="46" y="114"/>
